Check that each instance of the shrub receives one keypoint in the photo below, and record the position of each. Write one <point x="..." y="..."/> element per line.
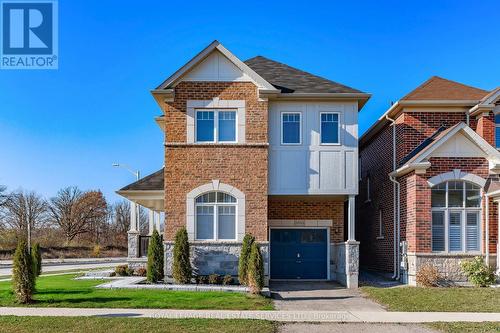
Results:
<point x="122" y="270"/>
<point x="244" y="256"/>
<point x="255" y="274"/>
<point x="155" y="258"/>
<point x="181" y="270"/>
<point x="36" y="258"/>
<point x="202" y="279"/>
<point x="428" y="276"/>
<point x="478" y="273"/>
<point x="227" y="280"/>
<point x="23" y="278"/>
<point x="141" y="271"/>
<point x="96" y="251"/>
<point x="214" y="279"/>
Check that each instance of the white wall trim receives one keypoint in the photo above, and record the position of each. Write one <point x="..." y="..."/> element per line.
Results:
<point x="300" y="223"/>
<point x="215" y="185"/>
<point x="215" y="103"/>
<point x="456" y="174"/>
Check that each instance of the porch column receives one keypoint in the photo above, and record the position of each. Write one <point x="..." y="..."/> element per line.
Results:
<point x="151" y="222"/>
<point x="133" y="217"/>
<point x="351" y="220"/>
<point x="157" y="221"/>
<point x="133" y="233"/>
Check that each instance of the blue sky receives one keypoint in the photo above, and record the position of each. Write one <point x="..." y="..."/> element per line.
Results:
<point x="66" y="127"/>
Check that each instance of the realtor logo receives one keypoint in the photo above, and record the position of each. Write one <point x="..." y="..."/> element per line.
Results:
<point x="29" y="34"/>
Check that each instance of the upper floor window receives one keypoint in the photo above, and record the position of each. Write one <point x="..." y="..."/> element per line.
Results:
<point x="291" y="128"/>
<point x="497" y="130"/>
<point x="456" y="207"/>
<point x="215" y="126"/>
<point x="215" y="216"/>
<point x="329" y="128"/>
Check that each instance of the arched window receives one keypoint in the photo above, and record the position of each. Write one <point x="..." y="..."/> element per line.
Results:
<point x="215" y="216"/>
<point x="456" y="212"/>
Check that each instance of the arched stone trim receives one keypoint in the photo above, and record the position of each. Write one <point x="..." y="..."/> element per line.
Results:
<point x="215" y="185"/>
<point x="456" y="175"/>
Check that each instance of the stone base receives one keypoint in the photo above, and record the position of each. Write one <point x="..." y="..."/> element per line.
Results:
<point x="133" y="244"/>
<point x="214" y="258"/>
<point x="344" y="263"/>
<point x="448" y="265"/>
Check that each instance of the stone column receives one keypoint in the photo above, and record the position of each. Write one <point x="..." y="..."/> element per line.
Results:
<point x="133" y="233"/>
<point x="351" y="247"/>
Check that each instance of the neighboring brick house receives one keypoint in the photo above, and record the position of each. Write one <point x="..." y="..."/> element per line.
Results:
<point x="255" y="147"/>
<point x="429" y="181"/>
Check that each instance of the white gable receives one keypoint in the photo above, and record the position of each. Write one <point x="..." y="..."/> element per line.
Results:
<point x="216" y="67"/>
<point x="458" y="146"/>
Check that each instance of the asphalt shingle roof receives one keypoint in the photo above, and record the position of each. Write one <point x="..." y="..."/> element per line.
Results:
<point x="437" y="88"/>
<point x="292" y="80"/>
<point x="152" y="182"/>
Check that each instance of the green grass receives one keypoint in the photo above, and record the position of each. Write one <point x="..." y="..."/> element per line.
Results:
<point x="466" y="327"/>
<point x="96" y="325"/>
<point x="63" y="291"/>
<point x="436" y="299"/>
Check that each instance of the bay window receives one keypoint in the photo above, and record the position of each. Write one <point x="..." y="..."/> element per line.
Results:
<point x="215" y="125"/>
<point x="215" y="216"/>
<point x="456" y="208"/>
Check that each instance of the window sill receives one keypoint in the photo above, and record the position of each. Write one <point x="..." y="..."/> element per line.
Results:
<point x="380" y="237"/>
<point x="368" y="201"/>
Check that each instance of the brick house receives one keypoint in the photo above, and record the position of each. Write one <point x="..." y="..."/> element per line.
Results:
<point x="429" y="181"/>
<point x="255" y="147"/>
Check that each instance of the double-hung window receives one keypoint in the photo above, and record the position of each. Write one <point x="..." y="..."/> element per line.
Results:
<point x="497" y="131"/>
<point x="329" y="128"/>
<point x="291" y="128"/>
<point x="215" y="216"/>
<point x="456" y="212"/>
<point x="215" y="125"/>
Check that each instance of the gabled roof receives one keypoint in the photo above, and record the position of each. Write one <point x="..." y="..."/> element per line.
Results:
<point x="438" y="88"/>
<point x="215" y="45"/>
<point x="291" y="80"/>
<point x="152" y="182"/>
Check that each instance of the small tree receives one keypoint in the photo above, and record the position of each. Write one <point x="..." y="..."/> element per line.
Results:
<point x="155" y="258"/>
<point x="36" y="258"/>
<point x="255" y="273"/>
<point x="244" y="256"/>
<point x="23" y="279"/>
<point x="181" y="267"/>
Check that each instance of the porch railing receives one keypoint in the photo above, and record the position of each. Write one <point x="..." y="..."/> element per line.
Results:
<point x="143" y="245"/>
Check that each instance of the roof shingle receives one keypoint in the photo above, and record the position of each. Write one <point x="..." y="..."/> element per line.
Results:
<point x="152" y="182"/>
<point x="437" y="88"/>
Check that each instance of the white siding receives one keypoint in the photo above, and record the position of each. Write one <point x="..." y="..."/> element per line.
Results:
<point x="312" y="168"/>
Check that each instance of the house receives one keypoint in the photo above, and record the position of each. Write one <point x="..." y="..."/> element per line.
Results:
<point x="429" y="184"/>
<point x="255" y="147"/>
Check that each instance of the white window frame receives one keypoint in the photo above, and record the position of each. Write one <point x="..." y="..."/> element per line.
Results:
<point x="300" y="128"/>
<point x="216" y="206"/>
<point x="338" y="130"/>
<point x="463" y="220"/>
<point x="216" y="124"/>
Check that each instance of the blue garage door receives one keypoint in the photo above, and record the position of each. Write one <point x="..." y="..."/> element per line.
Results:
<point x="299" y="254"/>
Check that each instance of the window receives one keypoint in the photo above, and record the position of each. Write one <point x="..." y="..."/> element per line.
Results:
<point x="497" y="130"/>
<point x="215" y="126"/>
<point x="456" y="207"/>
<point x="380" y="225"/>
<point x="291" y="128"/>
<point x="329" y="128"/>
<point x="215" y="216"/>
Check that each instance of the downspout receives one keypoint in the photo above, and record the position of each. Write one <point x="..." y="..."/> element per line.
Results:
<point x="396" y="204"/>
<point x="487" y="231"/>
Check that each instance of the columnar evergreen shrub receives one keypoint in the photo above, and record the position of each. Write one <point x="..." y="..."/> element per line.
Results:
<point x="23" y="278"/>
<point x="478" y="273"/>
<point x="155" y="258"/>
<point x="255" y="270"/>
<point x="36" y="257"/>
<point x="244" y="256"/>
<point x="181" y="267"/>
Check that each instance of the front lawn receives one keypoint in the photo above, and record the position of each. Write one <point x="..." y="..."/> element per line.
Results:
<point x="63" y="291"/>
<point x="466" y="327"/>
<point x="436" y="299"/>
<point x="96" y="325"/>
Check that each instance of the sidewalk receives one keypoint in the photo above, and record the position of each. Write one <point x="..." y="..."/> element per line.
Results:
<point x="280" y="316"/>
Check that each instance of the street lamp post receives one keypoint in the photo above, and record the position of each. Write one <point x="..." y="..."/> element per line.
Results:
<point x="134" y="211"/>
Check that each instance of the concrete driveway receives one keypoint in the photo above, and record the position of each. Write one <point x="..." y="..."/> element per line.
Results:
<point x="319" y="296"/>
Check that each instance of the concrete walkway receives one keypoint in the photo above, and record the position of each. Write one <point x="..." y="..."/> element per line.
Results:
<point x="319" y="296"/>
<point x="353" y="328"/>
<point x="280" y="316"/>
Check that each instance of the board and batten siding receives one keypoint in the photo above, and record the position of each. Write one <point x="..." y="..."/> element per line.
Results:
<point x="312" y="168"/>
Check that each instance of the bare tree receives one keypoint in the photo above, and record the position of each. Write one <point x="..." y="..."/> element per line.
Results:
<point x="24" y="211"/>
<point x="77" y="212"/>
<point x="3" y="195"/>
<point x="121" y="217"/>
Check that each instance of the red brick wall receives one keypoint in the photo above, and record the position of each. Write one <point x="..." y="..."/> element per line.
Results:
<point x="486" y="128"/>
<point x="293" y="209"/>
<point x="243" y="166"/>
